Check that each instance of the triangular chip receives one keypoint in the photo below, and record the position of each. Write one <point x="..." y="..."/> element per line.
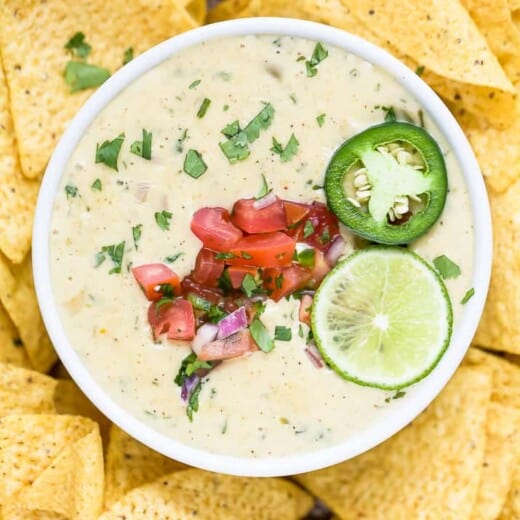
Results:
<point x="30" y="443"/>
<point x="431" y="469"/>
<point x="18" y="513"/>
<point x="197" y="9"/>
<point x="12" y="349"/>
<point x="501" y="455"/>
<point x="75" y="477"/>
<point x="511" y="509"/>
<point x="25" y="391"/>
<point x="130" y="464"/>
<point x="17" y="194"/>
<point x="19" y="299"/>
<point x="193" y="493"/>
<point x="35" y="60"/>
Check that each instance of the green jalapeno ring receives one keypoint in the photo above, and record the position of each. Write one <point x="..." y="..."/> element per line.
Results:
<point x="431" y="184"/>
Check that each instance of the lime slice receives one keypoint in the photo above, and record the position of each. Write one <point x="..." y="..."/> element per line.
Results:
<point x="382" y="318"/>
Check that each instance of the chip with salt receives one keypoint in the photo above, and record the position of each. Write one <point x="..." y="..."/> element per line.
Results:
<point x="35" y="59"/>
<point x="17" y="194"/>
<point x="130" y="464"/>
<point x="45" y="457"/>
<point x="194" y="493"/>
<point x="25" y="391"/>
<point x="12" y="349"/>
<point x="19" y="299"/>
<point x="431" y="469"/>
<point x="499" y="327"/>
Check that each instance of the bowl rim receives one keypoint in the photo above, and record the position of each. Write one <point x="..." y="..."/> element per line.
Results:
<point x="461" y="338"/>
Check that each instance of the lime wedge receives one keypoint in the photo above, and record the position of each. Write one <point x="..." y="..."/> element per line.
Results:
<point x="382" y="318"/>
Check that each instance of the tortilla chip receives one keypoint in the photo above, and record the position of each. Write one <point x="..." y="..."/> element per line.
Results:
<point x="431" y="469"/>
<point x="34" y="59"/>
<point x="501" y="455"/>
<point x="197" y="9"/>
<point x="227" y="10"/>
<point x="495" y="21"/>
<point x="25" y="391"/>
<point x="511" y="510"/>
<point x="19" y="299"/>
<point x="17" y="194"/>
<point x="70" y="400"/>
<point x="130" y="464"/>
<point x="499" y="328"/>
<point x="18" y="513"/>
<point x="11" y="347"/>
<point x="194" y="493"/>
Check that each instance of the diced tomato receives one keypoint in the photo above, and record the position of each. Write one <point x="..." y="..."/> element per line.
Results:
<point x="304" y="314"/>
<point x="295" y="212"/>
<point x="320" y="270"/>
<point x="237" y="273"/>
<point x="214" y="228"/>
<point x="175" y="319"/>
<point x="207" y="268"/>
<point x="285" y="281"/>
<point x="265" y="220"/>
<point x="263" y="250"/>
<point x="151" y="276"/>
<point x="233" y="346"/>
<point x="318" y="229"/>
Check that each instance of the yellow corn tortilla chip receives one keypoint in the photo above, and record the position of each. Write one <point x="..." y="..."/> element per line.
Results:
<point x="501" y="455"/>
<point x="70" y="400"/>
<point x="25" y="391"/>
<point x="511" y="509"/>
<point x="34" y="59"/>
<point x="197" y="9"/>
<point x="193" y="493"/>
<point x="17" y="194"/>
<point x="12" y="349"/>
<point x="499" y="328"/>
<point x="19" y="299"/>
<point x="18" y="513"/>
<point x="130" y="464"/>
<point x="227" y="10"/>
<point x="495" y="21"/>
<point x="431" y="469"/>
<point x="75" y="477"/>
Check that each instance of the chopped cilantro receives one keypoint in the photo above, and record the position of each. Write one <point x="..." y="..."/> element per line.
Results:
<point x="325" y="236"/>
<point x="260" y="122"/>
<point x="249" y="285"/>
<point x="199" y="303"/>
<point x="264" y="189"/>
<point x="306" y="258"/>
<point x="321" y="119"/>
<point x="419" y="70"/>
<point x="224" y="282"/>
<point x="194" y="164"/>
<point x="245" y="255"/>
<point x="71" y="191"/>
<point x="231" y="129"/>
<point x="203" y="108"/>
<point x="389" y="114"/>
<point x="234" y="151"/>
<point x="193" y="401"/>
<point x="447" y="269"/>
<point x="136" y="234"/>
<point x="398" y="395"/>
<point x="278" y="281"/>
<point x="115" y="253"/>
<point x="128" y="55"/>
<point x="300" y="330"/>
<point x="163" y="219"/>
<point x="282" y="333"/>
<point x="78" y="46"/>
<point x="308" y="229"/>
<point x="224" y="256"/>
<point x="469" y="294"/>
<point x="143" y="148"/>
<point x="195" y="84"/>
<point x="171" y="258"/>
<point x="318" y="55"/>
<point x="293" y="98"/>
<point x="108" y="152"/>
<point x="96" y="185"/>
<point x="289" y="151"/>
<point x="261" y="336"/>
<point x="81" y="76"/>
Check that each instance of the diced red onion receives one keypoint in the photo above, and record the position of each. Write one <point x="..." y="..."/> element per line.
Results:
<point x="265" y="201"/>
<point x="314" y="355"/>
<point x="232" y="323"/>
<point x="205" y="334"/>
<point x="304" y="313"/>
<point x="189" y="384"/>
<point x="335" y="250"/>
<point x="142" y="191"/>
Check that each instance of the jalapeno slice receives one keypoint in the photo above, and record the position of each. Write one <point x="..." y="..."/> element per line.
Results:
<point x="388" y="183"/>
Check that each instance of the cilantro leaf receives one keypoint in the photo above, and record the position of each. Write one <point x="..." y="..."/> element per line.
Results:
<point x="171" y="258"/>
<point x="447" y="269"/>
<point x="193" y="401"/>
<point x="231" y="129"/>
<point x="419" y="70"/>
<point x="264" y="190"/>
<point x="261" y="336"/>
<point x="163" y="219"/>
<point x="308" y="229"/>
<point x="81" y="76"/>
<point x="71" y="191"/>
<point x="389" y="114"/>
<point x="260" y="122"/>
<point x="318" y="55"/>
<point x="277" y="146"/>
<point x="108" y="152"/>
<point x="289" y="151"/>
<point x="194" y="164"/>
<point x="321" y="119"/>
<point x="282" y="333"/>
<point x="128" y="55"/>
<point x="249" y="285"/>
<point x="469" y="294"/>
<point x="203" y="108"/>
<point x="194" y="84"/>
<point x="306" y="258"/>
<point x="234" y="151"/>
<point x="78" y="46"/>
<point x="136" y="234"/>
<point x="143" y="148"/>
<point x="96" y="185"/>
<point x="115" y="253"/>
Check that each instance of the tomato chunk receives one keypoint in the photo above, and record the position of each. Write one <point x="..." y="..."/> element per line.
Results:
<point x="263" y="250"/>
<point x="295" y="212"/>
<point x="282" y="282"/>
<point x="207" y="268"/>
<point x="318" y="229"/>
<point x="175" y="319"/>
<point x="238" y="272"/>
<point x="151" y="276"/>
<point x="213" y="227"/>
<point x="263" y="220"/>
<point x="233" y="346"/>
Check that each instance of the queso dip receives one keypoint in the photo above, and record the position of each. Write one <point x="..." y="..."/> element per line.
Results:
<point x="260" y="404"/>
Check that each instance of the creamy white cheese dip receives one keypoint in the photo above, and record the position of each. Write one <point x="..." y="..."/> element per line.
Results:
<point x="259" y="405"/>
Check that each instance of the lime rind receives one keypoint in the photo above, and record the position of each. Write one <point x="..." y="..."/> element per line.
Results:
<point x="378" y="282"/>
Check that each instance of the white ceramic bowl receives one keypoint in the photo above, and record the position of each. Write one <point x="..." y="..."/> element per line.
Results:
<point x="462" y="334"/>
